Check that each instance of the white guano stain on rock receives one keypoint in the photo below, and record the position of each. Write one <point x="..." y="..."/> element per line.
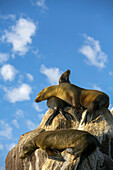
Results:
<point x="30" y="166"/>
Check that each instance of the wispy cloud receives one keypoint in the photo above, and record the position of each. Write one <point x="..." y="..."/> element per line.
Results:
<point x="31" y="125"/>
<point x="1" y="147"/>
<point x="18" y="94"/>
<point x="1" y="168"/>
<point x="93" y="52"/>
<point x="20" y="35"/>
<point x="37" y="108"/>
<point x="8" y="72"/>
<point x="19" y="114"/>
<point x="30" y="77"/>
<point x="95" y="87"/>
<point x="52" y="74"/>
<point x="3" y="57"/>
<point x="40" y="116"/>
<point x="110" y="73"/>
<point x="14" y="121"/>
<point x="41" y="3"/>
<point x="7" y="17"/>
<point x="6" y="129"/>
<point x="10" y="146"/>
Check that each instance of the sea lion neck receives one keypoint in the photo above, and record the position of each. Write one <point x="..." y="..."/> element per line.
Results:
<point x="51" y="91"/>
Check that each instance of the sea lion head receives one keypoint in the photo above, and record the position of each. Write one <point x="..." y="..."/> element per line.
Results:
<point x="45" y="94"/>
<point x="41" y="95"/>
<point x="64" y="78"/>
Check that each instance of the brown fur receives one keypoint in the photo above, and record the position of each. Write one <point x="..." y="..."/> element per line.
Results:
<point x="76" y="142"/>
<point x="64" y="78"/>
<point x="58" y="105"/>
<point x="75" y="96"/>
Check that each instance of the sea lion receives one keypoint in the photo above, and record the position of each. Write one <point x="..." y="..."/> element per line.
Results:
<point x="79" y="143"/>
<point x="77" y="97"/>
<point x="58" y="105"/>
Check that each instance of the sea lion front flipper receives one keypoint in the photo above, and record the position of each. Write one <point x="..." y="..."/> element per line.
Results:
<point x="54" y="154"/>
<point x="67" y="115"/>
<point x="50" y="119"/>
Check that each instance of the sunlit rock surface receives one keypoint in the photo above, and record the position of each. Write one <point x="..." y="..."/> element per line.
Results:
<point x="101" y="159"/>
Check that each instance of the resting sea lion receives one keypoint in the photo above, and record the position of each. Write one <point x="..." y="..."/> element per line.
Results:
<point x="79" y="143"/>
<point x="58" y="105"/>
<point x="77" y="97"/>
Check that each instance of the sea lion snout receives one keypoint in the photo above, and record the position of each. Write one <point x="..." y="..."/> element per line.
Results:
<point x="40" y="96"/>
<point x="37" y="100"/>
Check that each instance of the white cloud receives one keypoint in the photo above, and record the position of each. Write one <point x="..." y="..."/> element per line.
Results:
<point x="41" y="3"/>
<point x="21" y="93"/>
<point x="52" y="74"/>
<point x="31" y="125"/>
<point x="92" y="50"/>
<point x="20" y="35"/>
<point x="7" y="17"/>
<point x="36" y="106"/>
<point x="8" y="72"/>
<point x="2" y="168"/>
<point x="40" y="116"/>
<point x="6" y="130"/>
<point x="3" y="57"/>
<point x="19" y="114"/>
<point x="30" y="77"/>
<point x="37" y="54"/>
<point x="1" y="147"/>
<point x="110" y="73"/>
<point x="15" y="123"/>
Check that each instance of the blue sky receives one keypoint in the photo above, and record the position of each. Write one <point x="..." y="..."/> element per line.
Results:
<point x="40" y="39"/>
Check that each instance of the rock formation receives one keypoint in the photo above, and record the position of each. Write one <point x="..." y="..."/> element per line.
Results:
<point x="101" y="159"/>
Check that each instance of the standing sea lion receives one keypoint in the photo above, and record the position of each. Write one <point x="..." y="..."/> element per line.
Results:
<point x="58" y="105"/>
<point x="77" y="97"/>
<point x="79" y="143"/>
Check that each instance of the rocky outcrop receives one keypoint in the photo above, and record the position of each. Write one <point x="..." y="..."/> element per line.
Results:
<point x="101" y="159"/>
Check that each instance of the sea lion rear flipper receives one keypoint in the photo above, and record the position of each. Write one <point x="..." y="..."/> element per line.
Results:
<point x="78" y="113"/>
<point x="90" y="114"/>
<point x="64" y="77"/>
<point x="88" y="118"/>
